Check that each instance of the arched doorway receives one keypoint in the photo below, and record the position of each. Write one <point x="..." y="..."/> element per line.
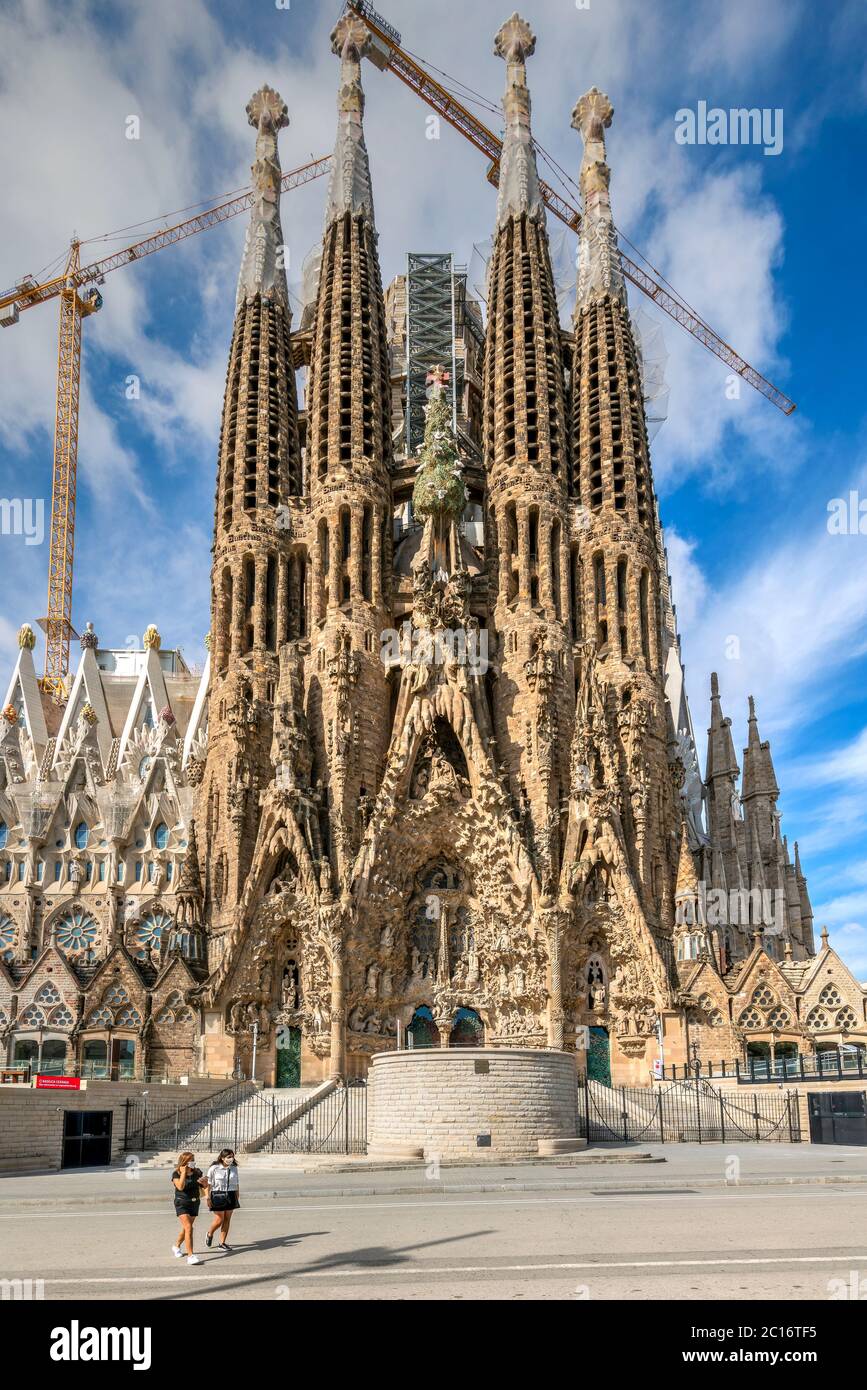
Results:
<point x="422" y="1031"/>
<point x="599" y="1057"/>
<point x="468" y="1029"/>
<point x="288" y="1068"/>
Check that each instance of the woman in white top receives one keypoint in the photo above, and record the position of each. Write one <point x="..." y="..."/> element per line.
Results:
<point x="222" y="1179"/>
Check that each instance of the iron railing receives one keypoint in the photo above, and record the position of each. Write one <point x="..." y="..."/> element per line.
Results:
<point x="830" y="1064"/>
<point x="243" y="1119"/>
<point x="688" y="1112"/>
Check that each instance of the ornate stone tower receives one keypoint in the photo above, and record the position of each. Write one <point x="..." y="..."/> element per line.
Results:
<point x="349" y="453"/>
<point x="526" y="454"/>
<point x="258" y="582"/>
<point x="617" y="571"/>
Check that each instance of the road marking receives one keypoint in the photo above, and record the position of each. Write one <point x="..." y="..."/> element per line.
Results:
<point x="402" y="1267"/>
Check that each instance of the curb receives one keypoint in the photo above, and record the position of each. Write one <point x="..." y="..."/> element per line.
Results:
<point x="437" y="1189"/>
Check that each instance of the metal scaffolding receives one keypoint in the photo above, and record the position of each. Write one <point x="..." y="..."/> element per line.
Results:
<point x="430" y="335"/>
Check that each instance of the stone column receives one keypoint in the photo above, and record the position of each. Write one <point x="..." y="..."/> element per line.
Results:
<point x="335" y="553"/>
<point x="282" y="633"/>
<point x="376" y="548"/>
<point x="523" y="556"/>
<point x="553" y="923"/>
<point x="338" y="1030"/>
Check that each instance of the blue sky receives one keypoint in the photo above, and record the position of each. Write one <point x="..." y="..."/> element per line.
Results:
<point x="767" y="248"/>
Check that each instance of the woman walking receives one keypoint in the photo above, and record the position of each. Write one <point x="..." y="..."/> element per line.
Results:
<point x="187" y="1181"/>
<point x="223" y="1187"/>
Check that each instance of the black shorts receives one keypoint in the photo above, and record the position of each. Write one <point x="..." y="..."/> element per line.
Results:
<point x="184" y="1207"/>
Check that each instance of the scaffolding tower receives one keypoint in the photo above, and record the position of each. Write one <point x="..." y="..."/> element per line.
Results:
<point x="430" y="335"/>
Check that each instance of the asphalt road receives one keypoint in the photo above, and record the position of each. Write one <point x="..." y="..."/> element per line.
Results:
<point x="563" y="1243"/>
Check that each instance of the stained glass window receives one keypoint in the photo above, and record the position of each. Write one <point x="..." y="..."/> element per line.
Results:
<point x="49" y="994"/>
<point x="161" y="835"/>
<point x="76" y="931"/>
<point x="114" y="995"/>
<point x="148" y="934"/>
<point x="129" y="1018"/>
<point x="32" y="1018"/>
<point x="60" y="1018"/>
<point x="4" y="834"/>
<point x="81" y="834"/>
<point x="422" y="1029"/>
<point x="8" y="933"/>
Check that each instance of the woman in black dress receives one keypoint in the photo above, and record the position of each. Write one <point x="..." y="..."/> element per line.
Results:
<point x="187" y="1181"/>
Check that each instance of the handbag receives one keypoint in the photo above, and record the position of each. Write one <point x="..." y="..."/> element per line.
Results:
<point x="219" y="1201"/>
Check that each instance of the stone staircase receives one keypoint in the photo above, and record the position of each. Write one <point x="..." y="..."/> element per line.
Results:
<point x="244" y="1126"/>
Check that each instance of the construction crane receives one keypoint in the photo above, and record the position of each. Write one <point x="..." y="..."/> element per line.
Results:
<point x="77" y="290"/>
<point x="387" y="54"/>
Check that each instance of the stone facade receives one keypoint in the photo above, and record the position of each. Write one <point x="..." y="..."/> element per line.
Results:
<point x="439" y="773"/>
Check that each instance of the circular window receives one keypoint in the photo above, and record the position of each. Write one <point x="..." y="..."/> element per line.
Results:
<point x="161" y="835"/>
<point x="81" y="835"/>
<point x="144" y="766"/>
<point x="148" y="933"/>
<point x="4" y="834"/>
<point x="76" y="931"/>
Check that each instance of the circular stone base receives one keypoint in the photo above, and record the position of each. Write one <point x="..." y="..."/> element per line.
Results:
<point x="472" y="1102"/>
<point x="549" y="1148"/>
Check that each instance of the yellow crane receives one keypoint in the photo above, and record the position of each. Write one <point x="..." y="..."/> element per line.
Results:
<point x="77" y="290"/>
<point x="387" y="54"/>
<point x="79" y="296"/>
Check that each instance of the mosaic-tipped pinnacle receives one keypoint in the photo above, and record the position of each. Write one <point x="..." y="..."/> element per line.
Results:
<point x="267" y="102"/>
<point x="350" y="37"/>
<point x="515" y="41"/>
<point x="592" y="115"/>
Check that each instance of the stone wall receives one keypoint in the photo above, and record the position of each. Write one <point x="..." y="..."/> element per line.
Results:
<point x="31" y="1121"/>
<point x="442" y="1099"/>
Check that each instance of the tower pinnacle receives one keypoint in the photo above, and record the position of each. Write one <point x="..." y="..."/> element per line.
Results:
<point x="262" y="269"/>
<point x="519" y="179"/>
<point x="599" y="270"/>
<point x="349" y="189"/>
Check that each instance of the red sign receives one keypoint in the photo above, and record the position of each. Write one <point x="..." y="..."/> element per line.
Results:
<point x="58" y="1083"/>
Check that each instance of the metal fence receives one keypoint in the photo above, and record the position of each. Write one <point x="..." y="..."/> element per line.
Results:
<point x="830" y="1064"/>
<point x="686" y="1112"/>
<point x="243" y="1119"/>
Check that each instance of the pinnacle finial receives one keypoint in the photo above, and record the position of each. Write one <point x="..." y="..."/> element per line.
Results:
<point x="752" y="709"/>
<point x="268" y="106"/>
<point x="592" y="116"/>
<point x="350" y="37"/>
<point x="515" y="40"/>
<point x="714" y="685"/>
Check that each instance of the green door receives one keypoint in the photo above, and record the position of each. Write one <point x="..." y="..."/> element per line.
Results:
<point x="599" y="1057"/>
<point x="288" y="1057"/>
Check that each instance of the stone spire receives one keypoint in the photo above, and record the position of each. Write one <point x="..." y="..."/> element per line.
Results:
<point x="349" y="189"/>
<point x="759" y="777"/>
<point x="599" y="270"/>
<point x="721" y="760"/>
<point x="519" y="179"/>
<point x="262" y="270"/>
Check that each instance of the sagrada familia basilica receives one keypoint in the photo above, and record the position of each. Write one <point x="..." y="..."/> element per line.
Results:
<point x="437" y="783"/>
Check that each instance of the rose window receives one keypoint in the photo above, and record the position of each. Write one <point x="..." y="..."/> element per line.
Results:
<point x="846" y="1018"/>
<point x="32" y="1018"/>
<point x="61" y="1018"/>
<point x="49" y="994"/>
<point x="76" y="931"/>
<point x="715" y="1019"/>
<point x="101" y="1018"/>
<point x="129" y="1018"/>
<point x="149" y="931"/>
<point x="830" y="996"/>
<point x="115" y="995"/>
<point x="8" y="934"/>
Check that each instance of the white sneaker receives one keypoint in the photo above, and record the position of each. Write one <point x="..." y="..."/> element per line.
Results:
<point x="193" y="1260"/>
<point x="177" y="1251"/>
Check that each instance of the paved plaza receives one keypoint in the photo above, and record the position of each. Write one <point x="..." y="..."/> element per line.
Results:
<point x="791" y="1227"/>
